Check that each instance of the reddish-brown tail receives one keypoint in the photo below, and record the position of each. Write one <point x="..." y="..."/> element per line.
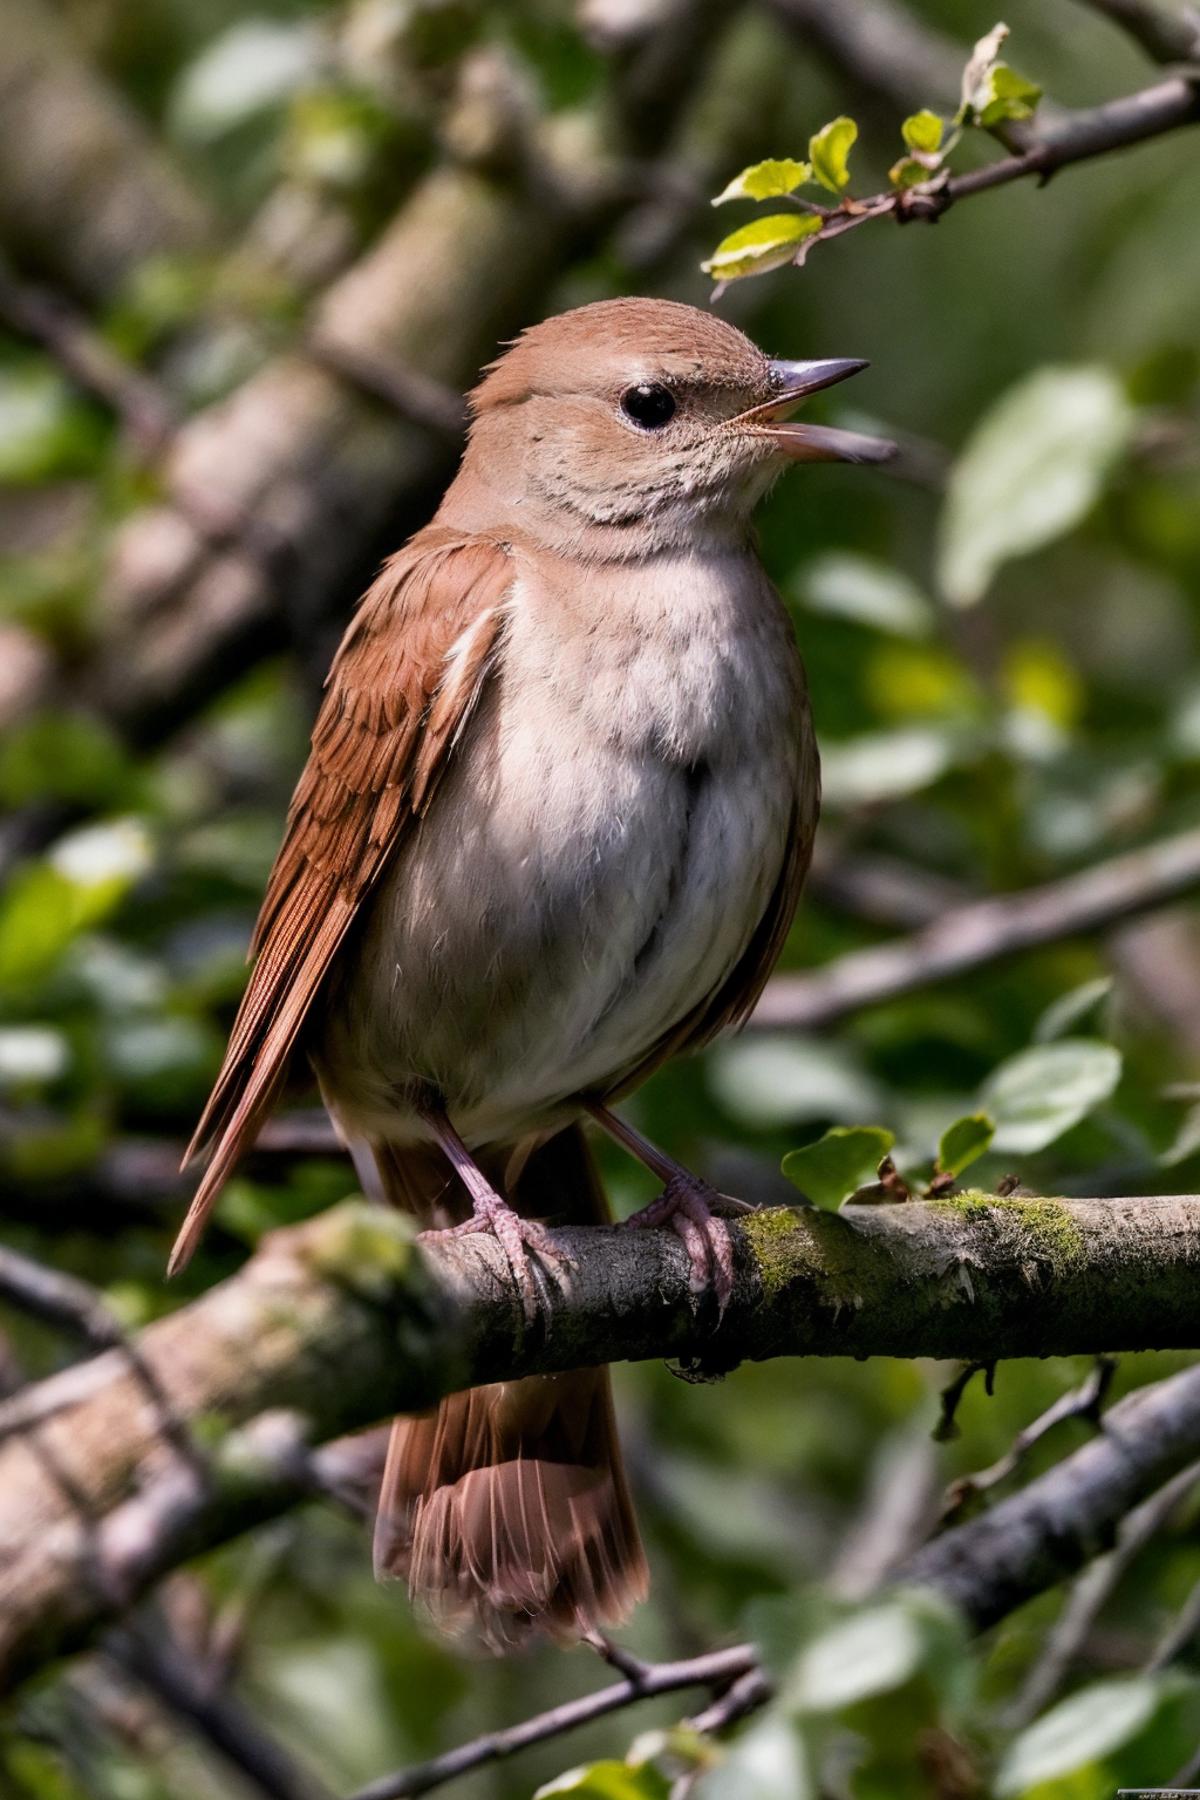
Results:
<point x="507" y="1509"/>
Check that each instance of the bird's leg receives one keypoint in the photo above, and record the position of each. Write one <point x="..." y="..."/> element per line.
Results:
<point x="687" y="1204"/>
<point x="490" y="1211"/>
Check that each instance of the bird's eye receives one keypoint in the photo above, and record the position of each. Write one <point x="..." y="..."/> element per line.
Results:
<point x="648" y="405"/>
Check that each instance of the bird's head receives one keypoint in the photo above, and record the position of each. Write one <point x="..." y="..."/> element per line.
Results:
<point x="633" y="425"/>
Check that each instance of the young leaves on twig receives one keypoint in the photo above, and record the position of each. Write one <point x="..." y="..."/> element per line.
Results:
<point x="838" y="1164"/>
<point x="993" y="94"/>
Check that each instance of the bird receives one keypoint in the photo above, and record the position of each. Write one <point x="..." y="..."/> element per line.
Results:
<point x="552" y="830"/>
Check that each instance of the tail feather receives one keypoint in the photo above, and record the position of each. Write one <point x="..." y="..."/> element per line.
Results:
<point x="506" y="1508"/>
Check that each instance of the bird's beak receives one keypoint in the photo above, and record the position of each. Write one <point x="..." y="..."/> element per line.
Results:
<point x="793" y="382"/>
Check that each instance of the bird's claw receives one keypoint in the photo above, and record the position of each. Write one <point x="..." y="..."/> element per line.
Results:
<point x="516" y="1236"/>
<point x="691" y="1208"/>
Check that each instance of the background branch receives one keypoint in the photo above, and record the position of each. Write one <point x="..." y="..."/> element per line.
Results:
<point x="981" y="931"/>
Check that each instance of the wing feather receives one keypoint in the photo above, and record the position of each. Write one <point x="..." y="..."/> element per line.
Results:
<point x="402" y="687"/>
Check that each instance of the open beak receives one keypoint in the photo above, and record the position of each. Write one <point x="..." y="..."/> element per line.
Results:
<point x="794" y="382"/>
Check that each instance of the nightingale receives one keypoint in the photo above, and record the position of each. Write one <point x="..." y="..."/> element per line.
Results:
<point x="553" y="828"/>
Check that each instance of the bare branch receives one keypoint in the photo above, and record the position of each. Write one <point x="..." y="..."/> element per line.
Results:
<point x="1057" y="1523"/>
<point x="982" y="931"/>
<point x="90" y="362"/>
<point x="1090" y="1593"/>
<point x="148" y="1653"/>
<point x="57" y="1299"/>
<point x="719" y="1669"/>
<point x="305" y="1345"/>
<point x="884" y="51"/>
<point x="1084" y="1402"/>
<point x="1166" y="34"/>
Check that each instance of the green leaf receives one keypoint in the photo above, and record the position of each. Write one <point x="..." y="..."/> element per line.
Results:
<point x="31" y="1056"/>
<point x="875" y="1650"/>
<point x="1079" y="1731"/>
<point x="1031" y="470"/>
<point x="1005" y="95"/>
<point x="844" y="585"/>
<point x="963" y="1142"/>
<point x="252" y="65"/>
<point x="991" y="90"/>
<point x="766" y="180"/>
<point x="1041" y="1092"/>
<point x="44" y="429"/>
<point x="46" y="904"/>
<point x="1071" y="1008"/>
<point x="922" y="132"/>
<point x="909" y="172"/>
<point x="982" y="61"/>
<point x="608" y="1781"/>
<point x="1183" y="1146"/>
<point x="884" y="765"/>
<point x="829" y="151"/>
<point x="760" y="246"/>
<point x="838" y="1163"/>
<point x="776" y="1081"/>
<point x="767" y="1762"/>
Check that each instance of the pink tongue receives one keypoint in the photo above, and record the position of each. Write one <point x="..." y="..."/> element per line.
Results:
<point x="824" y="443"/>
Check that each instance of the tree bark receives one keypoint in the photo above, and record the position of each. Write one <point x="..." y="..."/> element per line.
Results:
<point x="121" y="1467"/>
<point x="86" y="196"/>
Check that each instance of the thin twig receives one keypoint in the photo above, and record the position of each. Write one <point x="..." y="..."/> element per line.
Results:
<point x="946" y="1429"/>
<point x="884" y="51"/>
<point x="1180" y="1635"/>
<point x="406" y="391"/>
<point x="716" y="1669"/>
<point x="1070" y="138"/>
<point x="981" y="932"/>
<point x="50" y="320"/>
<point x="150" y="1654"/>
<point x="78" y="1308"/>
<point x="1091" y="1592"/>
<point x="1057" y="1523"/>
<point x="1166" y="35"/>
<point x="1084" y="1402"/>
<point x="58" y="1299"/>
<point x="741" y="1697"/>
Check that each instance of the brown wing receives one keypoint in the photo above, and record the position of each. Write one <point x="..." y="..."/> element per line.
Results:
<point x="401" y="688"/>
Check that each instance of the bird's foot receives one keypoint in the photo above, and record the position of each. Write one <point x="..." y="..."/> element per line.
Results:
<point x="515" y="1235"/>
<point x="691" y="1208"/>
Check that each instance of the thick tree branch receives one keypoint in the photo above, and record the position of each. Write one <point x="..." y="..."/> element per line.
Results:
<point x="340" y="1322"/>
<point x="1069" y="1515"/>
<point x="980" y="932"/>
<point x="85" y="193"/>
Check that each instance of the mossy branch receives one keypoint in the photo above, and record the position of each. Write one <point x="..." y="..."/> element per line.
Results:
<point x="123" y="1466"/>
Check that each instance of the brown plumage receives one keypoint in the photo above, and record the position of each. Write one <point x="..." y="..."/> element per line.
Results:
<point x="506" y="1508"/>
<point x="553" y="829"/>
<point x="395" y="700"/>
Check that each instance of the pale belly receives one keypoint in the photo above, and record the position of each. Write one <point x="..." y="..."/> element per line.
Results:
<point x="562" y="906"/>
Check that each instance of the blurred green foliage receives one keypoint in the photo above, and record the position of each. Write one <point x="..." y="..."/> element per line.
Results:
<point x="1003" y="659"/>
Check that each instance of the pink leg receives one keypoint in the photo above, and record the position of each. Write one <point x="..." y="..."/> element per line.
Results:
<point x="489" y="1212"/>
<point x="687" y="1204"/>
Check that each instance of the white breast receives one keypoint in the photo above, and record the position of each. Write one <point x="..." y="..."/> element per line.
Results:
<point x="595" y="863"/>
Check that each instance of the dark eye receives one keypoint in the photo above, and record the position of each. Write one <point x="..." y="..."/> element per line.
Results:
<point x="648" y="405"/>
